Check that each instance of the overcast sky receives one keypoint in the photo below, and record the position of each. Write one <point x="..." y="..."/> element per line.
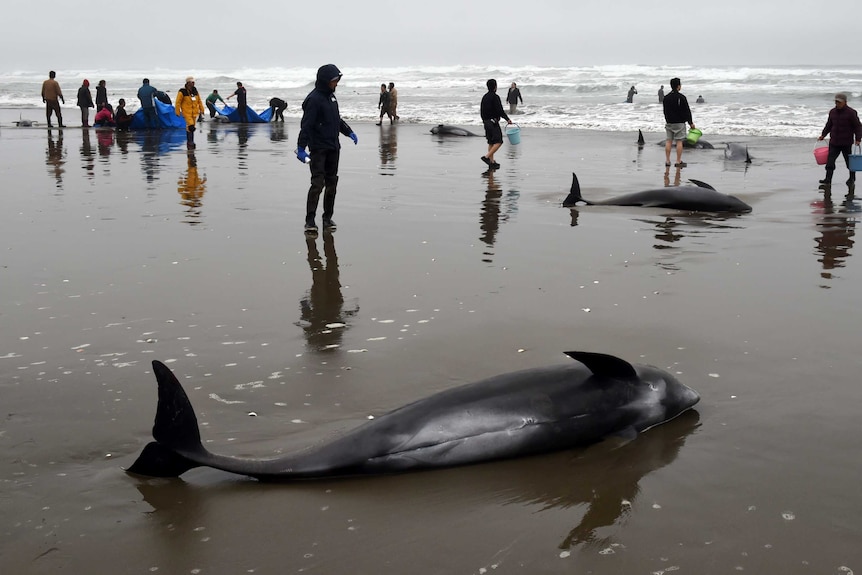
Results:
<point x="222" y="34"/>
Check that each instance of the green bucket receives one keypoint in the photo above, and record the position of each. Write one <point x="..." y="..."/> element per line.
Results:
<point x="693" y="135"/>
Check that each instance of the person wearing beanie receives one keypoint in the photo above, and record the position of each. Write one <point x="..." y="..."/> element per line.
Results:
<point x="188" y="105"/>
<point x="85" y="102"/>
<point x="842" y="127"/>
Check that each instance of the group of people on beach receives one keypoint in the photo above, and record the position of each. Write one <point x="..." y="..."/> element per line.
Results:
<point x="388" y="103"/>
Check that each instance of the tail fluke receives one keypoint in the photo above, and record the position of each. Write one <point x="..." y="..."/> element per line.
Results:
<point x="156" y="460"/>
<point x="574" y="194"/>
<point x="176" y="431"/>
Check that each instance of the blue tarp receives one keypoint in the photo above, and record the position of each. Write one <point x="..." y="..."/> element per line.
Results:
<point x="253" y="117"/>
<point x="165" y="116"/>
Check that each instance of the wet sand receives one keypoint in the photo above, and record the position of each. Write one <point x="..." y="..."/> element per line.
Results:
<point x="123" y="249"/>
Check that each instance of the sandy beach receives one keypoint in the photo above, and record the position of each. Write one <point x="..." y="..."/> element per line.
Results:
<point x="122" y="248"/>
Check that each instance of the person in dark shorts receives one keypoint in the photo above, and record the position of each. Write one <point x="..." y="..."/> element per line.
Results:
<point x="383" y="104"/>
<point x="278" y="107"/>
<point x="241" y="102"/>
<point x="843" y="128"/>
<point x="491" y="110"/>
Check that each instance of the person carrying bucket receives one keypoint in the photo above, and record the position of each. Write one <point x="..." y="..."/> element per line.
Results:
<point x="841" y="126"/>
<point x="676" y="114"/>
<point x="491" y="110"/>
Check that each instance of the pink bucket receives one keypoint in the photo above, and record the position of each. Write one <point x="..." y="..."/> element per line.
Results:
<point x="821" y="154"/>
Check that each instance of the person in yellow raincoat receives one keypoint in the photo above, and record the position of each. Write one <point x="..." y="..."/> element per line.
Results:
<point x="189" y="106"/>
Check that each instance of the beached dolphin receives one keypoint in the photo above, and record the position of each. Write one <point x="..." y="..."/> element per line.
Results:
<point x="737" y="153"/>
<point x="700" y="145"/>
<point x="511" y="415"/>
<point x="445" y="130"/>
<point x="700" y="197"/>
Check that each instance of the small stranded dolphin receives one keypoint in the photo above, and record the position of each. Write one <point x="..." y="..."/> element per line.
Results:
<point x="445" y="130"/>
<point x="511" y="415"/>
<point x="736" y="153"/>
<point x="701" y="197"/>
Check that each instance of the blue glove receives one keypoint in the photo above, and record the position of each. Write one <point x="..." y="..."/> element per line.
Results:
<point x="302" y="155"/>
<point x="354" y="138"/>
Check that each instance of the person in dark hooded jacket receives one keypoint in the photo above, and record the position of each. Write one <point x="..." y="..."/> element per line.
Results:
<point x="319" y="130"/>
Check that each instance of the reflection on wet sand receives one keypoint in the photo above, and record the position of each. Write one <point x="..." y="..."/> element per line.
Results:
<point x="604" y="478"/>
<point x="55" y="157"/>
<point x="388" y="149"/>
<point x="836" y="226"/>
<point x="676" y="177"/>
<point x="88" y="158"/>
<point x="277" y="133"/>
<point x="242" y="136"/>
<point x="155" y="143"/>
<point x="670" y="230"/>
<point x="493" y="210"/>
<point x="105" y="140"/>
<point x="322" y="316"/>
<point x="192" y="187"/>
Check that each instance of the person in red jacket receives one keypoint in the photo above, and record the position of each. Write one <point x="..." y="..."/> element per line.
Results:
<point x="843" y="124"/>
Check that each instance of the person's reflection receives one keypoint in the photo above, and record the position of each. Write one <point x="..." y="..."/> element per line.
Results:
<point x="242" y="135"/>
<point x="150" y="155"/>
<point x="104" y="139"/>
<point x="489" y="215"/>
<point x="277" y="132"/>
<point x="676" y="177"/>
<point x="88" y="158"/>
<point x="388" y="149"/>
<point x="54" y="157"/>
<point x="123" y="139"/>
<point x="837" y="226"/>
<point x="322" y="314"/>
<point x="192" y="188"/>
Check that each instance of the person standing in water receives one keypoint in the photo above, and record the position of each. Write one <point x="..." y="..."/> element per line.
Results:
<point x="512" y="97"/>
<point x="661" y="94"/>
<point x="631" y="96"/>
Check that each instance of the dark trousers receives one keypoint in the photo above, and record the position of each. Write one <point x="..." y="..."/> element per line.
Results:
<point x="150" y="117"/>
<point x="324" y="179"/>
<point x="243" y="114"/>
<point x="834" y="152"/>
<point x="211" y="107"/>
<point x="278" y="113"/>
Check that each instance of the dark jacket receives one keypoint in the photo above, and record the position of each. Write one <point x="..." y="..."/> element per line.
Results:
<point x="514" y="95"/>
<point x="101" y="96"/>
<point x="383" y="103"/>
<point x="85" y="100"/>
<point x="676" y="110"/>
<point x="321" y="120"/>
<point x="843" y="125"/>
<point x="491" y="108"/>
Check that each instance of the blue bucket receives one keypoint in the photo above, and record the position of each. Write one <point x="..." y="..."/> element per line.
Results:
<point x="856" y="160"/>
<point x="513" y="132"/>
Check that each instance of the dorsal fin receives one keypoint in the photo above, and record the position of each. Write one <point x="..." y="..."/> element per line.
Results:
<point x="641" y="141"/>
<point x="700" y="184"/>
<point x="605" y="365"/>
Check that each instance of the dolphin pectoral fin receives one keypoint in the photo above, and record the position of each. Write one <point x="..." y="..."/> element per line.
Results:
<point x="604" y="365"/>
<point x="156" y="460"/>
<point x="700" y="184"/>
<point x="574" y="194"/>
